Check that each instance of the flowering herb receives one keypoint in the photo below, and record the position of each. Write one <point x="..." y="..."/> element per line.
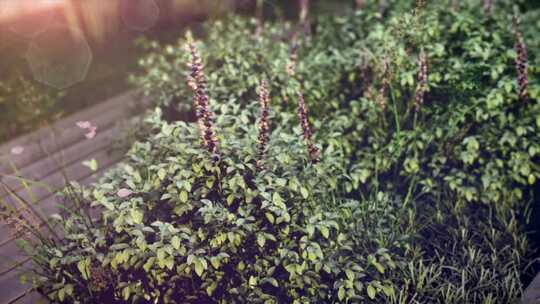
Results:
<point x="205" y="116"/>
<point x="521" y="63"/>
<point x="306" y="130"/>
<point x="293" y="57"/>
<point x="422" y="80"/>
<point x="262" y="140"/>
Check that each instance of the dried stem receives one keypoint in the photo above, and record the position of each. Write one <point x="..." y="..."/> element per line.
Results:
<point x="34" y="215"/>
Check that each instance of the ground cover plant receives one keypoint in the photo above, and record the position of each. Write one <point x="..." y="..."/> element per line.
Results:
<point x="388" y="155"/>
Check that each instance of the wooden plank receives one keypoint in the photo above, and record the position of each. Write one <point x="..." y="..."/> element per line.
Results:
<point x="33" y="297"/>
<point x="11" y="288"/>
<point x="49" y="208"/>
<point x="11" y="255"/>
<point x="23" y="294"/>
<point x="531" y="295"/>
<point x="75" y="172"/>
<point x="53" y="163"/>
<point x="65" y="132"/>
<point x="12" y="258"/>
<point x="56" y="181"/>
<point x="68" y="122"/>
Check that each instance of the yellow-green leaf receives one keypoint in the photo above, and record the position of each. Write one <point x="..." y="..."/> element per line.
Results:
<point x="175" y="242"/>
<point x="183" y="196"/>
<point x="304" y="192"/>
<point x="371" y="292"/>
<point x="252" y="281"/>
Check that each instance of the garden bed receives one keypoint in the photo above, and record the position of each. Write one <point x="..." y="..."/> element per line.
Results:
<point x="389" y="154"/>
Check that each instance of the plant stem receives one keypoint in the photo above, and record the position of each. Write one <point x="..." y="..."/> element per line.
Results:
<point x="396" y="118"/>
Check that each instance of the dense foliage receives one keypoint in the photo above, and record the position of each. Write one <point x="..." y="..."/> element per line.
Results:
<point x="428" y="132"/>
<point x="191" y="229"/>
<point x="24" y="104"/>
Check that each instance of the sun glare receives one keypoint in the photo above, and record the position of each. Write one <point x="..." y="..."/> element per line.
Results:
<point x="10" y="9"/>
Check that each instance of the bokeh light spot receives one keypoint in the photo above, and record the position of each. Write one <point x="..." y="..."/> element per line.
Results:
<point x="59" y="57"/>
<point x="139" y="15"/>
<point x="28" y="17"/>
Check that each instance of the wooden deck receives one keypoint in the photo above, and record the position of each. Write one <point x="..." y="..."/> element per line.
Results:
<point x="49" y="156"/>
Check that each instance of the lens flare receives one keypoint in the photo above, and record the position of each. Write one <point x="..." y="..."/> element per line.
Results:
<point x="139" y="15"/>
<point x="28" y="17"/>
<point x="59" y="56"/>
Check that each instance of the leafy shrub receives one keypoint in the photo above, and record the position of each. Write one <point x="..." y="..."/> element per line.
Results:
<point x="23" y="105"/>
<point x="237" y="59"/>
<point x="188" y="227"/>
<point x="472" y="142"/>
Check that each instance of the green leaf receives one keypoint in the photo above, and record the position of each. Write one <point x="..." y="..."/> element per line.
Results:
<point x="277" y="200"/>
<point x="252" y="281"/>
<point x="378" y="266"/>
<point x="200" y="266"/>
<point x="162" y="173"/>
<point x="310" y="230"/>
<point x="388" y="290"/>
<point x="210" y="289"/>
<point x="324" y="231"/>
<point x="161" y="257"/>
<point x="371" y="291"/>
<point x="175" y="242"/>
<point x="261" y="240"/>
<point x="125" y="293"/>
<point x="270" y="217"/>
<point x="304" y="192"/>
<point x="84" y="269"/>
<point x="149" y="263"/>
<point x="169" y="263"/>
<point x="62" y="294"/>
<point x="215" y="262"/>
<point x="92" y="164"/>
<point x="137" y="216"/>
<point x="341" y="293"/>
<point x="183" y="196"/>
<point x="350" y="274"/>
<point x="230" y="199"/>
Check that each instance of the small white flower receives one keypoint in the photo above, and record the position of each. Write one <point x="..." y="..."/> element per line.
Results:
<point x="124" y="192"/>
<point x="17" y="150"/>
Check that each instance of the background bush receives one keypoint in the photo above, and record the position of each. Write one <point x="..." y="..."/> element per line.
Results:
<point x="24" y="104"/>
